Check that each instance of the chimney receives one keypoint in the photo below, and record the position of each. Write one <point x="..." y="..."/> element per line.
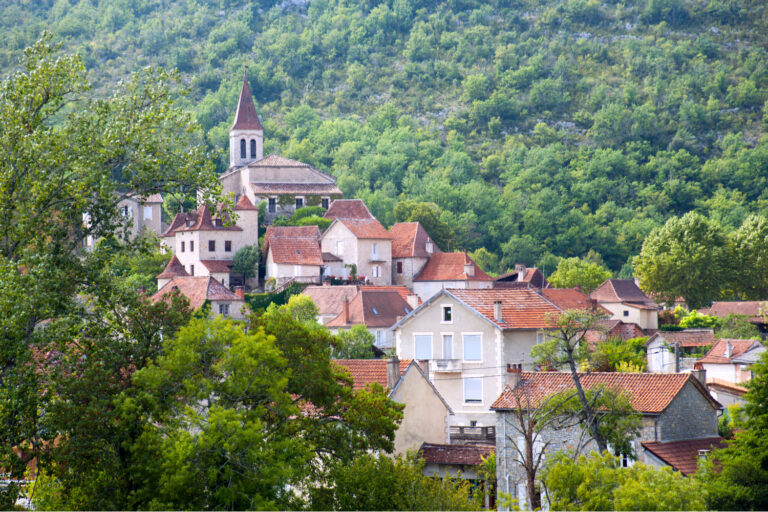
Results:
<point x="345" y="310"/>
<point x="520" y="269"/>
<point x="424" y="363"/>
<point x="497" y="310"/>
<point x="514" y="374"/>
<point x="240" y="292"/>
<point x="393" y="371"/>
<point x="469" y="268"/>
<point x="728" y="349"/>
<point x="413" y="301"/>
<point x="700" y="374"/>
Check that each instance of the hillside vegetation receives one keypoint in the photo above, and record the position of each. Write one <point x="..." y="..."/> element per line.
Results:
<point x="541" y="129"/>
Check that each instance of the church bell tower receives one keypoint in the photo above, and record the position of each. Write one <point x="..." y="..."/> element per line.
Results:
<point x="246" y="137"/>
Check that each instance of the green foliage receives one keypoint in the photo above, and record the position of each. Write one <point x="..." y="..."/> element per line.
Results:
<point x="354" y="343"/>
<point x="399" y="485"/>
<point x="750" y="243"/>
<point x="615" y="354"/>
<point x="572" y="272"/>
<point x="737" y="327"/>
<point x="245" y="261"/>
<point x="429" y="215"/>
<point x="261" y="301"/>
<point x="140" y="268"/>
<point x="694" y="319"/>
<point x="307" y="216"/>
<point x="598" y="482"/>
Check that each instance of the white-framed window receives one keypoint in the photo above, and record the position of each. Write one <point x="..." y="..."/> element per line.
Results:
<point x="447" y="314"/>
<point x="224" y="309"/>
<point x="376" y="271"/>
<point x="299" y="202"/>
<point x="379" y="338"/>
<point x="473" y="346"/>
<point x="422" y="346"/>
<point x="539" y="338"/>
<point x="625" y="460"/>
<point x="473" y="390"/>
<point x="375" y="250"/>
<point x="339" y="248"/>
<point x="447" y="346"/>
<point x="147" y="213"/>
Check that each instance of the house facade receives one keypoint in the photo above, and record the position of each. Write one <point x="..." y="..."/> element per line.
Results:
<point x="454" y="270"/>
<point x="292" y="253"/>
<point x="675" y="351"/>
<point x="730" y="360"/>
<point x="363" y="245"/>
<point x="199" y="290"/>
<point x="627" y="302"/>
<point x="411" y="249"/>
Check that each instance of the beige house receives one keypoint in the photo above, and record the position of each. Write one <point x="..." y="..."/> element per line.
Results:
<point x="411" y="249"/>
<point x="199" y="290"/>
<point x="454" y="270"/>
<point x="284" y="184"/>
<point x="139" y="215"/>
<point x="292" y="252"/>
<point x="467" y="337"/>
<point x="731" y="360"/>
<point x="426" y="413"/>
<point x="627" y="303"/>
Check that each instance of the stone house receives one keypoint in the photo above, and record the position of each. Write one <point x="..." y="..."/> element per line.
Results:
<point x="678" y="416"/>
<point x="139" y="215"/>
<point x="730" y="360"/>
<point x="284" y="184"/>
<point x="292" y="252"/>
<point x="363" y="245"/>
<point x="467" y="337"/>
<point x="348" y="209"/>
<point x="454" y="270"/>
<point x="411" y="249"/>
<point x="426" y="413"/>
<point x="627" y="303"/>
<point x="662" y="356"/>
<point x="199" y="290"/>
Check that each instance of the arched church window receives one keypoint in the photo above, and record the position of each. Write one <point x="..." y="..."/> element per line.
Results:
<point x="253" y="148"/>
<point x="242" y="148"/>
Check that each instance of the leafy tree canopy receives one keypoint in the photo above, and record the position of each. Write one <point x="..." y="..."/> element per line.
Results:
<point x="245" y="261"/>
<point x="572" y="272"/>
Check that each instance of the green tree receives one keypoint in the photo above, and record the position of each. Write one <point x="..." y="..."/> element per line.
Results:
<point x="694" y="319"/>
<point x="245" y="261"/>
<point x="737" y="327"/>
<point x="572" y="272"/>
<point x="354" y="343"/>
<point x="428" y="214"/>
<point x="750" y="246"/>
<point x="615" y="354"/>
<point x="688" y="257"/>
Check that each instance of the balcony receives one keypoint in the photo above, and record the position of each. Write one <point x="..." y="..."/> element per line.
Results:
<point x="473" y="435"/>
<point x="446" y="365"/>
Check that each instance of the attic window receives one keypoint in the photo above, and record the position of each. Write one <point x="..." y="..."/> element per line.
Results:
<point x="447" y="314"/>
<point x="374" y="311"/>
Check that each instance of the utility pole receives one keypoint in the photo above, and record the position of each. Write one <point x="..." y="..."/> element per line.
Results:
<point x="677" y="357"/>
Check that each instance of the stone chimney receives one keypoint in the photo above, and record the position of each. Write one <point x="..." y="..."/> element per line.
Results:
<point x="520" y="269"/>
<point x="393" y="371"/>
<point x="345" y="310"/>
<point x="413" y="301"/>
<point x="469" y="268"/>
<point x="700" y="374"/>
<point x="728" y="349"/>
<point x="240" y="292"/>
<point x="497" y="310"/>
<point x="514" y="374"/>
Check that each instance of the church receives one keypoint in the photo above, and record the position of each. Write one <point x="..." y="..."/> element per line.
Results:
<point x="284" y="184"/>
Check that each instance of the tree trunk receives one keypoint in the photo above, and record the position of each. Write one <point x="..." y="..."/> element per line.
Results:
<point x="590" y="414"/>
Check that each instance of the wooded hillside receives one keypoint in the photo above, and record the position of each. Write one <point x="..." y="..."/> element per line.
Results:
<point x="540" y="128"/>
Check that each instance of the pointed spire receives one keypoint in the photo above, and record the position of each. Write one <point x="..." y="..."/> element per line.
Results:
<point x="246" y="117"/>
<point x="173" y="269"/>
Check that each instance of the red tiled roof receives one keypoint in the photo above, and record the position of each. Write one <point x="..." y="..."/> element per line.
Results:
<point x="522" y="278"/>
<point x="571" y="298"/>
<point x="330" y="299"/>
<point x="409" y="240"/>
<point x="373" y="308"/>
<point x="687" y="337"/>
<point x="199" y="220"/>
<point x="197" y="290"/>
<point x="274" y="160"/>
<point x="366" y="371"/>
<point x="683" y="455"/>
<point x="614" y="329"/>
<point x="262" y="188"/>
<point x="366" y="228"/>
<point x="621" y="290"/>
<point x="218" y="266"/>
<point x="246" y="117"/>
<point x="348" y="209"/>
<point x="449" y="266"/>
<point x="294" y="245"/>
<point x="402" y="290"/>
<point x="649" y="393"/>
<point x="456" y="454"/>
<point x="520" y="309"/>
<point x="174" y="268"/>
<point x="244" y="204"/>
<point x="728" y="386"/>
<point x="756" y="309"/>
<point x="179" y="221"/>
<point x="716" y="355"/>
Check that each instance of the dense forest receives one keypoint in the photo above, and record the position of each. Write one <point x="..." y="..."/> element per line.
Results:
<point x="541" y="129"/>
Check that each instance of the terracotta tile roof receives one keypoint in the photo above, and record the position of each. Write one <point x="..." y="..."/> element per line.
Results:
<point x="621" y="290"/>
<point x="409" y="240"/>
<point x="686" y="338"/>
<point x="179" y="221"/>
<point x="726" y="385"/>
<point x="449" y="266"/>
<point x="154" y="198"/>
<point x="199" y="220"/>
<point x="755" y="309"/>
<point x="456" y="454"/>
<point x="274" y="160"/>
<point x="650" y="393"/>
<point x="197" y="290"/>
<point x="244" y="204"/>
<point x="369" y="229"/>
<point x="330" y="299"/>
<point x="294" y="245"/>
<point x="366" y="371"/>
<point x="520" y="309"/>
<point x="174" y="268"/>
<point x="218" y="266"/>
<point x="571" y="298"/>
<point x="614" y="329"/>
<point x="683" y="456"/>
<point x="348" y="209"/>
<point x="262" y="188"/>
<point x="246" y="117"/>
<point x="522" y="277"/>
<point x="716" y="355"/>
<point x="402" y="290"/>
<point x="373" y="308"/>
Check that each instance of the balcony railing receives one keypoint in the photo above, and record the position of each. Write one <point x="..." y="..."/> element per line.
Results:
<point x="473" y="435"/>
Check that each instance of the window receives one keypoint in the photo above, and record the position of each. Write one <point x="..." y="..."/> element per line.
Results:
<point x="447" y="314"/>
<point x="212" y="245"/>
<point x="191" y="246"/>
<point x="379" y="338"/>
<point x="626" y="313"/>
<point x="299" y="202"/>
<point x="272" y="205"/>
<point x="375" y="250"/>
<point x="539" y="338"/>
<point x="147" y="213"/>
<point x="473" y="347"/>
<point x="126" y="211"/>
<point x="399" y="267"/>
<point x="339" y="248"/>
<point x="253" y="148"/>
<point x="224" y="309"/>
<point x="423" y="346"/>
<point x="242" y="148"/>
<point x="227" y="245"/>
<point x="182" y="246"/>
<point x="325" y="202"/>
<point x="447" y="346"/>
<point x="191" y="270"/>
<point x="376" y="271"/>
<point x="473" y="390"/>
